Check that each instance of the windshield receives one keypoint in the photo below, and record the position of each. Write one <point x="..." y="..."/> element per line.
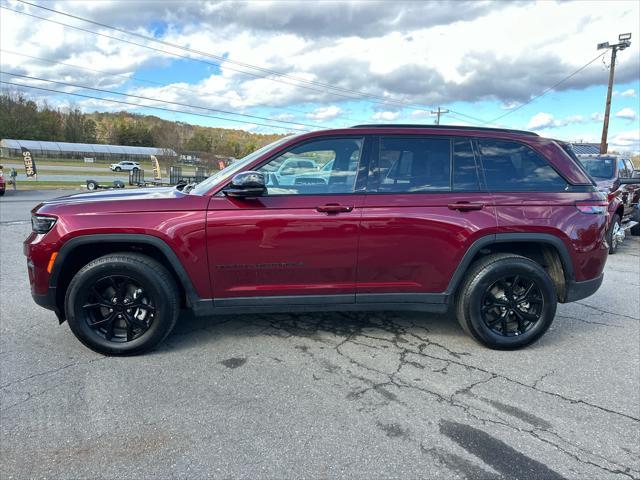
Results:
<point x="206" y="185"/>
<point x="600" y="167"/>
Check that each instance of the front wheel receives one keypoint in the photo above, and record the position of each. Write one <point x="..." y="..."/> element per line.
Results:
<point x="122" y="304"/>
<point x="117" y="169"/>
<point x="506" y="301"/>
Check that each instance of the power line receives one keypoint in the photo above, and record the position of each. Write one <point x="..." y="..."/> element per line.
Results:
<point x="122" y="102"/>
<point x="548" y="89"/>
<point x="360" y="95"/>
<point x="150" y="82"/>
<point x="112" y="92"/>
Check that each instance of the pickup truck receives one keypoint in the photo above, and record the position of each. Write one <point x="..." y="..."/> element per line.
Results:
<point x="616" y="177"/>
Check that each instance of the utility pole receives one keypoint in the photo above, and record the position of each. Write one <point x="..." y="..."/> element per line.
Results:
<point x="625" y="41"/>
<point x="439" y="112"/>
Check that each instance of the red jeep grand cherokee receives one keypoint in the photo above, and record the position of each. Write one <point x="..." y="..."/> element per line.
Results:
<point x="498" y="224"/>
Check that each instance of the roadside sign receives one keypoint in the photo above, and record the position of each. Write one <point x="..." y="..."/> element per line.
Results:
<point x="89" y="160"/>
<point x="156" y="169"/>
<point x="29" y="163"/>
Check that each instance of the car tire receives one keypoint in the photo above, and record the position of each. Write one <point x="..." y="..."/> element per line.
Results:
<point x="122" y="304"/>
<point x="493" y="289"/>
<point x="635" y="230"/>
<point x="92" y="185"/>
<point x="135" y="169"/>
<point x="117" y="169"/>
<point x="611" y="240"/>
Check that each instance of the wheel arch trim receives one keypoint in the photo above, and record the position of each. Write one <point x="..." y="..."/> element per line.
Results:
<point x="488" y="240"/>
<point x="129" y="238"/>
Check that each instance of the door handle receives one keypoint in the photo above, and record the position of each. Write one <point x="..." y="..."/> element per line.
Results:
<point x="333" y="208"/>
<point x="465" y="206"/>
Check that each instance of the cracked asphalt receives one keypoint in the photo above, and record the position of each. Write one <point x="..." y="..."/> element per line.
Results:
<point x="366" y="395"/>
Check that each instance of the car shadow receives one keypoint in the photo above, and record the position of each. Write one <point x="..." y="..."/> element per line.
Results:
<point x="328" y="327"/>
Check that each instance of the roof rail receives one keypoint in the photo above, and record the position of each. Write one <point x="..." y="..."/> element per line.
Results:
<point x="444" y="127"/>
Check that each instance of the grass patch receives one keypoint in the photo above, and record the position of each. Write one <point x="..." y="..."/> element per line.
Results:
<point x="45" y="184"/>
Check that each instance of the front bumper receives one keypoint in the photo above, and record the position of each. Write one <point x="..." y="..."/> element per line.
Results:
<point x="48" y="301"/>
<point x="579" y="290"/>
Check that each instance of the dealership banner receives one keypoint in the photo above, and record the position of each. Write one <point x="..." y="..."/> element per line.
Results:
<point x="29" y="163"/>
<point x="156" y="168"/>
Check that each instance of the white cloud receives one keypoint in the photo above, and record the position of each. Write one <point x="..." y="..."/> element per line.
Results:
<point x="428" y="53"/>
<point x="385" y="115"/>
<point x="626" y="93"/>
<point x="325" y="113"/>
<point x="421" y="114"/>
<point x="597" y="117"/>
<point x="542" y="120"/>
<point x="287" y="117"/>
<point x="625" y="141"/>
<point x="627" y="114"/>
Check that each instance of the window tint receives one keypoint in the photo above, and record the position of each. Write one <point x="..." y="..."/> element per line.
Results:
<point x="322" y="166"/>
<point x="513" y="167"/>
<point x="465" y="174"/>
<point x="414" y="164"/>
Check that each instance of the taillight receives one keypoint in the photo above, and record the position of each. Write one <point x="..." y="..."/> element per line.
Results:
<point x="593" y="208"/>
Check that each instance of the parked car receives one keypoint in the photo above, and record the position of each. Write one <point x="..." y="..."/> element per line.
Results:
<point x="616" y="177"/>
<point x="124" y="166"/>
<point x="285" y="171"/>
<point x="3" y="186"/>
<point x="496" y="225"/>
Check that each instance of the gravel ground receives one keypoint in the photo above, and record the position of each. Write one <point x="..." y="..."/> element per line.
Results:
<point x="366" y="395"/>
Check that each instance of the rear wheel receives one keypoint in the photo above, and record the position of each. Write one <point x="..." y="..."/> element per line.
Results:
<point x="506" y="301"/>
<point x="614" y="233"/>
<point x="122" y="304"/>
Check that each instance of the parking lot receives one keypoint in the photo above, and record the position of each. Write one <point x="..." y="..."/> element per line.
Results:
<point x="358" y="395"/>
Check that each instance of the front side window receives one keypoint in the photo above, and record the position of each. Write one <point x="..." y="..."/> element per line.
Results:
<point x="514" y="167"/>
<point x="318" y="167"/>
<point x="414" y="165"/>
<point x="622" y="169"/>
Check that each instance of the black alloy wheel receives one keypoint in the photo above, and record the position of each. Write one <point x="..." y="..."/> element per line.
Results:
<point x="118" y="308"/>
<point x="512" y="305"/>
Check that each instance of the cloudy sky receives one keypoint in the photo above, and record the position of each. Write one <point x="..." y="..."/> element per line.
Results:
<point x="331" y="64"/>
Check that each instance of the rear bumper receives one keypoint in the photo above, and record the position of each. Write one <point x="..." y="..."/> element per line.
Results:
<point x="579" y="290"/>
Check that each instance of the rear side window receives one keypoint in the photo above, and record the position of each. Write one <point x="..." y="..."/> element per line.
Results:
<point x="465" y="174"/>
<point x="513" y="167"/>
<point x="414" y="164"/>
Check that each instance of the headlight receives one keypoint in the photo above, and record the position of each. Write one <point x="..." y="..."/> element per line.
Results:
<point x="42" y="224"/>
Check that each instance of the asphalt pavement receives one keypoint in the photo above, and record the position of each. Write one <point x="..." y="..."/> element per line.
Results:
<point x="330" y="395"/>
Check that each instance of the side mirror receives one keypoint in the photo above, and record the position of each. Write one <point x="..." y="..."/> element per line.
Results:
<point x="246" y="184"/>
<point x="629" y="181"/>
<point x="634" y="174"/>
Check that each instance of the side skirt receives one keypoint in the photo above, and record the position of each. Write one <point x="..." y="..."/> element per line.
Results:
<point x="433" y="303"/>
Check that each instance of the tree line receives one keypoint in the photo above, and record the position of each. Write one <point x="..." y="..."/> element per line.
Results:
<point x="23" y="118"/>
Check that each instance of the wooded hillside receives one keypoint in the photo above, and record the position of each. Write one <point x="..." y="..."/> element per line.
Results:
<point x="22" y="118"/>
